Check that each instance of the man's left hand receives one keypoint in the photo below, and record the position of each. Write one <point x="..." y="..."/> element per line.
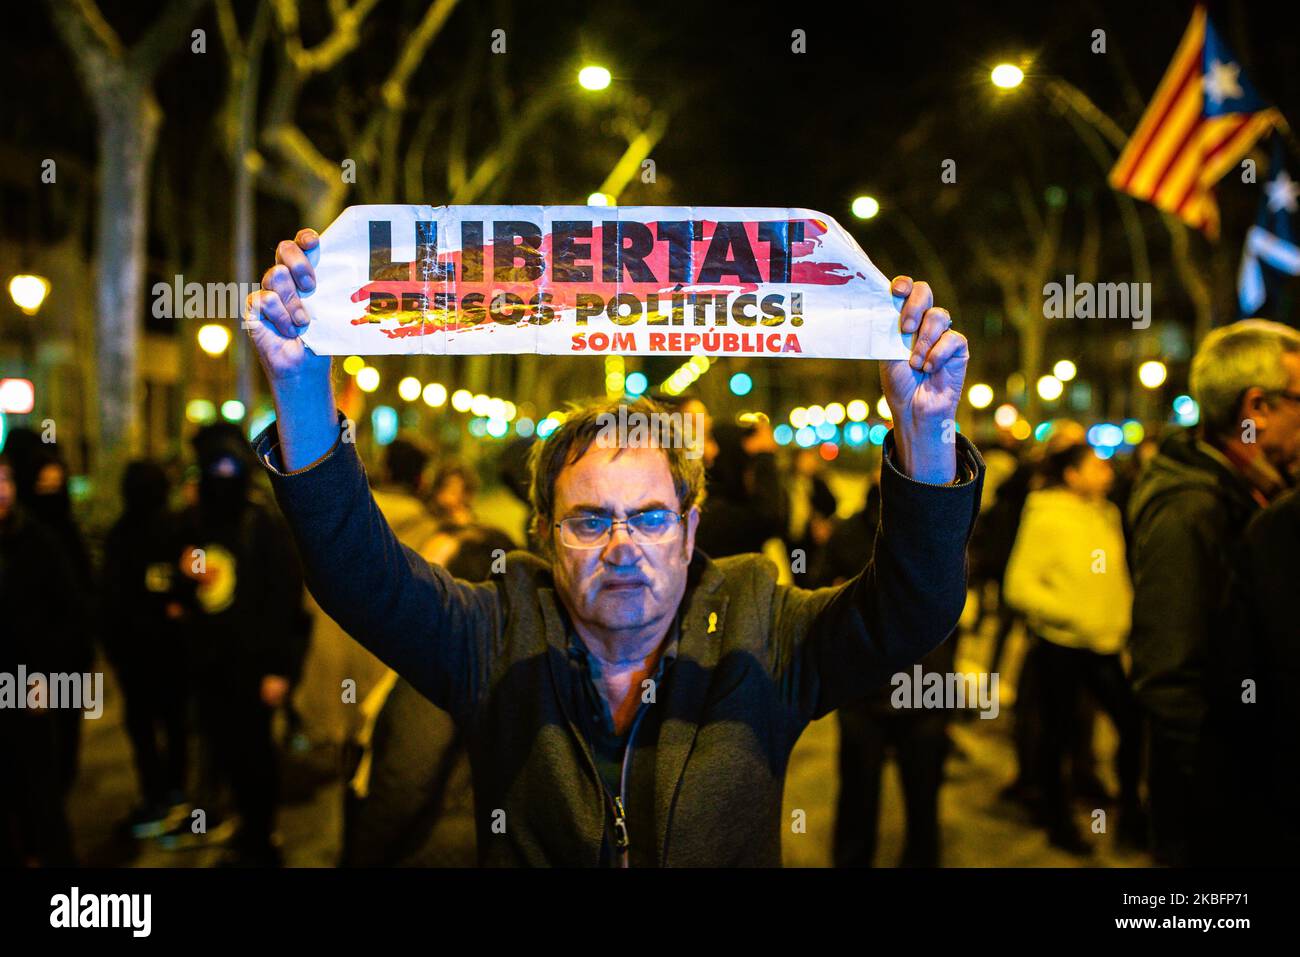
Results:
<point x="923" y="391"/>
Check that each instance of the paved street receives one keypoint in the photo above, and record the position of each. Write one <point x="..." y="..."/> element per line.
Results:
<point x="979" y="830"/>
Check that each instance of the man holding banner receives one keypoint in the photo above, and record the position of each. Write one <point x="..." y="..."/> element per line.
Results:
<point x="627" y="701"/>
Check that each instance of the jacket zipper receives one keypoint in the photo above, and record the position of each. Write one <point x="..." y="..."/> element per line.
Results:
<point x="622" y="839"/>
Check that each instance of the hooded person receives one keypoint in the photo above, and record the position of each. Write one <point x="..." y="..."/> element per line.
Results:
<point x="41" y="483"/>
<point x="142" y="641"/>
<point x="242" y="591"/>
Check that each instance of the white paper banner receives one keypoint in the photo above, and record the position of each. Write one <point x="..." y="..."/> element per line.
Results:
<point x="576" y="280"/>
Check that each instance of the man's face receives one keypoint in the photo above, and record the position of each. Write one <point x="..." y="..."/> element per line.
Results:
<point x="1279" y="433"/>
<point x="622" y="585"/>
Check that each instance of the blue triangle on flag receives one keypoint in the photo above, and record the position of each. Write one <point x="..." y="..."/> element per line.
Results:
<point x="1227" y="89"/>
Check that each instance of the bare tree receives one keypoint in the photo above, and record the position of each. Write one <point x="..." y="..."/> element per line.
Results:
<point x="119" y="83"/>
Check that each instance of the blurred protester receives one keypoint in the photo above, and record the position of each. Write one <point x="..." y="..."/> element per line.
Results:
<point x="144" y="643"/>
<point x="451" y="495"/>
<point x="400" y="494"/>
<point x="42" y="485"/>
<point x="991" y="545"/>
<point x="1127" y="473"/>
<point x="410" y="802"/>
<point x="746" y="500"/>
<point x="1067" y="574"/>
<point x="1187" y="515"/>
<point x="1251" y="748"/>
<point x="872" y="729"/>
<point x="812" y="511"/>
<point x="247" y="635"/>
<point x="39" y="612"/>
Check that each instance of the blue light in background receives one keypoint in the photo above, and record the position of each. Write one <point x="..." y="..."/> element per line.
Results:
<point x="741" y="383"/>
<point x="805" y="437"/>
<point x="855" y="433"/>
<point x="783" y="434"/>
<point x="524" y="427"/>
<point x="636" y="383"/>
<point x="384" y="421"/>
<point x="877" y="434"/>
<point x="260" y="421"/>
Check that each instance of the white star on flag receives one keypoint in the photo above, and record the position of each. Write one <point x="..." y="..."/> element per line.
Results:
<point x="1283" y="193"/>
<point x="1222" y="82"/>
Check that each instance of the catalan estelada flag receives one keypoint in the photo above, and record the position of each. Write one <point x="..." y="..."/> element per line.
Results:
<point x="1204" y="118"/>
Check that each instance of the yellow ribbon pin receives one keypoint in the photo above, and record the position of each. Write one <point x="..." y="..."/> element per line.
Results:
<point x="713" y="622"/>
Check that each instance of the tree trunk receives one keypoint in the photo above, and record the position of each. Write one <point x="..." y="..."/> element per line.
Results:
<point x="128" y="125"/>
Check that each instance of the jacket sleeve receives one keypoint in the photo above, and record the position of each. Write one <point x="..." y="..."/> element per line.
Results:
<point x="1033" y="554"/>
<point x="835" y="645"/>
<point x="1177" y="580"/>
<point x="435" y="631"/>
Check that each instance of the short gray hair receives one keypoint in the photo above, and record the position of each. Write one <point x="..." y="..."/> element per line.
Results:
<point x="1231" y="360"/>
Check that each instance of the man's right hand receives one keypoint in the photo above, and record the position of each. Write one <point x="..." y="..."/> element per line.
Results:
<point x="276" y="315"/>
<point x="275" y="318"/>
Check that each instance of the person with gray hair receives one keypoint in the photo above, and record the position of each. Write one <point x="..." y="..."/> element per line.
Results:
<point x="1187" y="513"/>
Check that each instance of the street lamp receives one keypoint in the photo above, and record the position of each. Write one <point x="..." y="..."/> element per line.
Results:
<point x="980" y="395"/>
<point x="865" y="207"/>
<point x="1007" y="76"/>
<point x="1050" y="388"/>
<point x="1152" y="374"/>
<point x="409" y="388"/>
<point x="593" y="78"/>
<point x="28" y="292"/>
<point x="214" y="339"/>
<point x="1065" y="370"/>
<point x="368" y="379"/>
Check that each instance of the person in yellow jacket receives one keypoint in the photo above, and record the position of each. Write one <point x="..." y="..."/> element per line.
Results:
<point x="1067" y="574"/>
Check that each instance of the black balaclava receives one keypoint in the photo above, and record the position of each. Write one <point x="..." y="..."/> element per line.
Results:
<point x="224" y="458"/>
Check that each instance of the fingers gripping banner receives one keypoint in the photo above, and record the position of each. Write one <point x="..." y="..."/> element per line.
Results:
<point x="575" y="280"/>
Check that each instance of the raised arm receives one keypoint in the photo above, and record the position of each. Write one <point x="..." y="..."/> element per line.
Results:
<point x="835" y="645"/>
<point x="435" y="631"/>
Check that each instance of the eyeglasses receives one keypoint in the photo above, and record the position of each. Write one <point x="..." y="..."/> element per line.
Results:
<point x="651" y="527"/>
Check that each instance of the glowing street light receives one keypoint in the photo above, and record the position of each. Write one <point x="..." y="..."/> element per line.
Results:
<point x="368" y="379"/>
<point x="1152" y="374"/>
<point x="435" y="394"/>
<point x="28" y="292"/>
<point x="594" y="78"/>
<point x="980" y="395"/>
<point x="865" y="207"/>
<point x="600" y="199"/>
<point x="214" y="339"/>
<point x="1050" y="387"/>
<point x="1006" y="415"/>
<point x="1065" y="370"/>
<point x="1007" y="76"/>
<point x="409" y="388"/>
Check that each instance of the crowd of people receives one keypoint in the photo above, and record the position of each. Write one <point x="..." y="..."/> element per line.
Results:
<point x="1155" y="591"/>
